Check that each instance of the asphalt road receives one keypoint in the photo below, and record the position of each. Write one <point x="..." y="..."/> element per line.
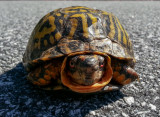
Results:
<point x="18" y="98"/>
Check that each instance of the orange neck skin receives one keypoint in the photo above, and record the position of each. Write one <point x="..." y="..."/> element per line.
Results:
<point x="91" y="88"/>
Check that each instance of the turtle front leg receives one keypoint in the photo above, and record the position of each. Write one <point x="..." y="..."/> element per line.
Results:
<point x="47" y="75"/>
<point x="124" y="74"/>
<point x="44" y="74"/>
<point x="40" y="76"/>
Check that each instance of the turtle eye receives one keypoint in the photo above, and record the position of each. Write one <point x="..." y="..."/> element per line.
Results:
<point x="101" y="61"/>
<point x="71" y="64"/>
<point x="101" y="64"/>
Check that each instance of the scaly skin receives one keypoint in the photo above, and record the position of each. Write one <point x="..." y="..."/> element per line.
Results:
<point x="123" y="73"/>
<point x="46" y="74"/>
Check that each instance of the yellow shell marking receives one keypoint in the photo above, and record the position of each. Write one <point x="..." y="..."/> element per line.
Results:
<point x="61" y="21"/>
<point x="58" y="14"/>
<point x="46" y="30"/>
<point x="84" y="23"/>
<point x="112" y="28"/>
<point x="119" y="31"/>
<point x="82" y="10"/>
<point x="45" y="18"/>
<point x="105" y="13"/>
<point x="94" y="22"/>
<point x="65" y="16"/>
<point x="74" y="24"/>
<point x="129" y="42"/>
<point x="51" y="20"/>
<point x="70" y="11"/>
<point x="51" y="39"/>
<point x="124" y="37"/>
<point x="57" y="35"/>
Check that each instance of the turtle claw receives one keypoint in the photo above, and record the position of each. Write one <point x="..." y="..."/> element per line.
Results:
<point x="111" y="87"/>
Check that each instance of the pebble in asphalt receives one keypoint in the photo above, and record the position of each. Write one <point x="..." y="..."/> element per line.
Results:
<point x="19" y="98"/>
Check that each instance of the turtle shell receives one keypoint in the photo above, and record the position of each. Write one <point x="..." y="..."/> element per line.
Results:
<point x="77" y="29"/>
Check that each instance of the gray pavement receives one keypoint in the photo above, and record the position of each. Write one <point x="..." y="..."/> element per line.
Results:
<point x="18" y="98"/>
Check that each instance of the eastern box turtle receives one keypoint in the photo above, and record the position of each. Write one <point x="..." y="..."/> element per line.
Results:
<point x="81" y="49"/>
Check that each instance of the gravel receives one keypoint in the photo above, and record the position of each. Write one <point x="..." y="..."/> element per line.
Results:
<point x="129" y="100"/>
<point x="19" y="98"/>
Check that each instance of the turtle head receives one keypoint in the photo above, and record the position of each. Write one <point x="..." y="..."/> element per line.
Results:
<point x="86" y="69"/>
<point x="86" y="73"/>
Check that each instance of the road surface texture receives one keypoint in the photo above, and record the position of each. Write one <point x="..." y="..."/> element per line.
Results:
<point x="19" y="98"/>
